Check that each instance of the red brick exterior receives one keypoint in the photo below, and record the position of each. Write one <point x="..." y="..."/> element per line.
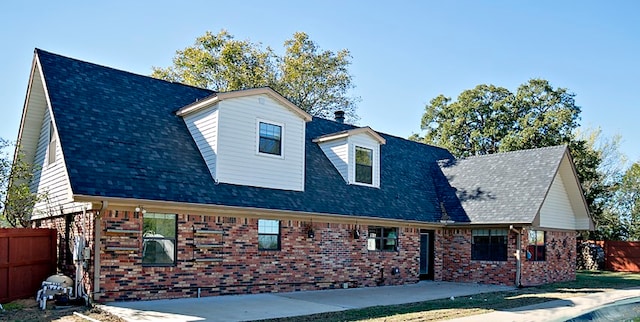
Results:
<point x="560" y="263"/>
<point x="333" y="257"/>
<point x="560" y="260"/>
<point x="329" y="260"/>
<point x="458" y="266"/>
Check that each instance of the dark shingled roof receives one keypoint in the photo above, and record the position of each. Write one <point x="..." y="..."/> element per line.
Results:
<point x="504" y="187"/>
<point x="120" y="138"/>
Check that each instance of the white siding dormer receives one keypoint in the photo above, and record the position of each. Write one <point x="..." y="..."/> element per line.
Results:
<point x="203" y="126"/>
<point x="355" y="154"/>
<point x="251" y="137"/>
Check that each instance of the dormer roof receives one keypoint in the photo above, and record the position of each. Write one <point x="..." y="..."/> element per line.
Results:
<point x="343" y="134"/>
<point x="218" y="97"/>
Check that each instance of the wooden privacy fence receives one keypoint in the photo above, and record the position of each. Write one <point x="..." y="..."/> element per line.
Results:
<point x="621" y="256"/>
<point x="27" y="257"/>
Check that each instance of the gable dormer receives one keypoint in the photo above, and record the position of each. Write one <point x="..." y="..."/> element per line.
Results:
<point x="355" y="154"/>
<point x="251" y="137"/>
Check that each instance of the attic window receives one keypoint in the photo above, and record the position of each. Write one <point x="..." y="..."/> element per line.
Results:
<point x="364" y="165"/>
<point x="51" y="151"/>
<point x="270" y="138"/>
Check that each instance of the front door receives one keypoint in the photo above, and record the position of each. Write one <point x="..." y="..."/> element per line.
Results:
<point x="426" y="254"/>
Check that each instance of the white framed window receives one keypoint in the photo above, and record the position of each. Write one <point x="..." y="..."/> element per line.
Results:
<point x="159" y="239"/>
<point x="268" y="234"/>
<point x="364" y="165"/>
<point x="270" y="138"/>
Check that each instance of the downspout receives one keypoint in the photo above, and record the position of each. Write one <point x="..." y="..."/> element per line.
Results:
<point x="517" y="254"/>
<point x="97" y="228"/>
<point x="82" y="264"/>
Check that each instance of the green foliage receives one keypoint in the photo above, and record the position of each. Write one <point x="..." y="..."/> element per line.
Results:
<point x="475" y="124"/>
<point x="541" y="115"/>
<point x="16" y="199"/>
<point x="624" y="205"/>
<point x="315" y="80"/>
<point x="630" y="191"/>
<point x="600" y="166"/>
<point x="490" y="119"/>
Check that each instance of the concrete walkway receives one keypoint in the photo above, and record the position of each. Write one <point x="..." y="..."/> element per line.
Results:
<point x="558" y="310"/>
<point x="275" y="305"/>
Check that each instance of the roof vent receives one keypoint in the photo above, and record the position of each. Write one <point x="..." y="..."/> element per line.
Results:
<point x="339" y="116"/>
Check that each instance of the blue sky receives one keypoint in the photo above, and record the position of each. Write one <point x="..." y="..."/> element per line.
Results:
<point x="404" y="52"/>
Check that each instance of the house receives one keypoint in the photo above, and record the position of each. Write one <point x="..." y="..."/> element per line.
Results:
<point x="162" y="190"/>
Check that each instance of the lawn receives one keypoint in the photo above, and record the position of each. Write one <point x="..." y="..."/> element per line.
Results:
<point x="586" y="283"/>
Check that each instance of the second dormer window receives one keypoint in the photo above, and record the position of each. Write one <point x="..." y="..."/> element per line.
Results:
<point x="364" y="165"/>
<point x="270" y="141"/>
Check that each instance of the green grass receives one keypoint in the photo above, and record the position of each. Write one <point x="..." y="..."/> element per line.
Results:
<point x="12" y="306"/>
<point x="585" y="283"/>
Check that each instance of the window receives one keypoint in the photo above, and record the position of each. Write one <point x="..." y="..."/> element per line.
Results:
<point x="159" y="239"/>
<point x="364" y="165"/>
<point x="489" y="244"/>
<point x="270" y="141"/>
<point x="382" y="238"/>
<point x="536" y="247"/>
<point x="51" y="152"/>
<point x="268" y="234"/>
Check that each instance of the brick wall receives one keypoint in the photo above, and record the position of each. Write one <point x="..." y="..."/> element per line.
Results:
<point x="458" y="266"/>
<point x="560" y="260"/>
<point x="331" y="258"/>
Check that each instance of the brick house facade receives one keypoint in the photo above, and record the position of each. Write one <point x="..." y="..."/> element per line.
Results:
<point x="341" y="205"/>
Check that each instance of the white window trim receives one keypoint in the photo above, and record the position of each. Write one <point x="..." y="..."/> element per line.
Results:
<point x="282" y="136"/>
<point x="374" y="170"/>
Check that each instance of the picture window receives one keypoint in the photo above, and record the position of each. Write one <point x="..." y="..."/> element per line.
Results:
<point x="489" y="244"/>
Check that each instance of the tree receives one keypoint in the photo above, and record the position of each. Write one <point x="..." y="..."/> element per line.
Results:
<point x="475" y="124"/>
<point x="315" y="80"/>
<point x="544" y="116"/>
<point x="16" y="199"/>
<point x="630" y="201"/>
<point x="490" y="119"/>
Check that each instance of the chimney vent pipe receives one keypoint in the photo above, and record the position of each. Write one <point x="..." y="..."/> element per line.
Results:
<point x="339" y="116"/>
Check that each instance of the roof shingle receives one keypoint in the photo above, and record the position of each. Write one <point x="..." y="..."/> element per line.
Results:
<point x="121" y="138"/>
<point x="503" y="187"/>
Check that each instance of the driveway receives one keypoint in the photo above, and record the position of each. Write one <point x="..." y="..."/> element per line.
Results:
<point x="276" y="305"/>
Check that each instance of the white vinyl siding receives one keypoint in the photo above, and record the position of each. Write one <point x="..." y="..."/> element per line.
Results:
<point x="364" y="141"/>
<point x="50" y="179"/>
<point x="203" y="126"/>
<point x="238" y="160"/>
<point x="36" y="107"/>
<point x="556" y="211"/>
<point x="337" y="152"/>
